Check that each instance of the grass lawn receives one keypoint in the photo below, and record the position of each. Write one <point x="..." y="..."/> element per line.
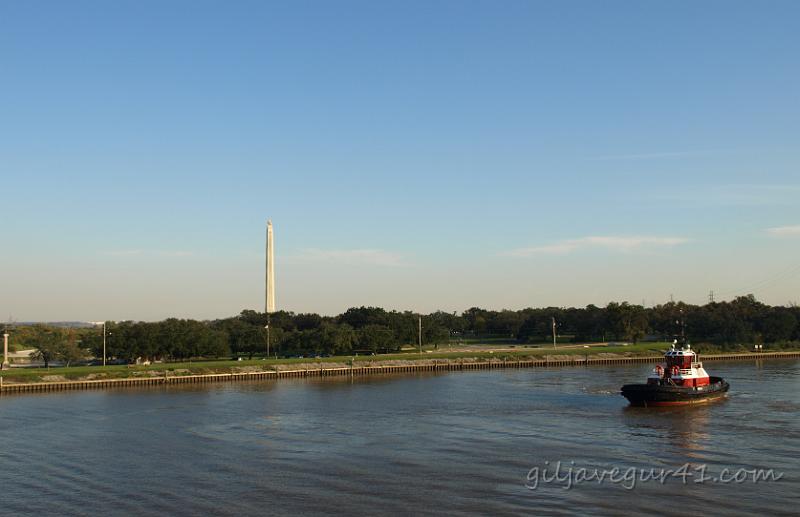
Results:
<point x="224" y="366"/>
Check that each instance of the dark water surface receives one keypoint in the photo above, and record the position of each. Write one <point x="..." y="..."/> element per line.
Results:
<point x="451" y="442"/>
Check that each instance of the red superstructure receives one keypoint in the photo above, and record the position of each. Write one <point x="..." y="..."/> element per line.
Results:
<point x="681" y="368"/>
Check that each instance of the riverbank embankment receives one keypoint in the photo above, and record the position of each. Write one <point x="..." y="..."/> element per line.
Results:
<point x="376" y="367"/>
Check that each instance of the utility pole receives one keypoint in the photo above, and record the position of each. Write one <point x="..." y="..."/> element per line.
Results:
<point x="554" y="332"/>
<point x="711" y="296"/>
<point x="103" y="323"/>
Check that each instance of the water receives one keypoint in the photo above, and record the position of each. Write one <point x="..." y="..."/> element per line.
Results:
<point x="452" y="442"/>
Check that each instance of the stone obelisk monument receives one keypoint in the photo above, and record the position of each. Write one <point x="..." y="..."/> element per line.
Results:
<point x="270" y="295"/>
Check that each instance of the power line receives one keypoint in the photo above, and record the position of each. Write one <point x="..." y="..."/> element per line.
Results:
<point x="781" y="275"/>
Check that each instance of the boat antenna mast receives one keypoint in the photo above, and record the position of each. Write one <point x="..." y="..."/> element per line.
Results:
<point x="683" y="340"/>
<point x="681" y="323"/>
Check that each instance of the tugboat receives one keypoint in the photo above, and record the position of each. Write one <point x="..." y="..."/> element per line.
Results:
<point x="680" y="380"/>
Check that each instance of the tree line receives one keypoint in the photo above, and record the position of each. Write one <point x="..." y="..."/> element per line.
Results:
<point x="372" y="330"/>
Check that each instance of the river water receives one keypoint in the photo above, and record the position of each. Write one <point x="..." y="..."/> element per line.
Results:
<point x="463" y="442"/>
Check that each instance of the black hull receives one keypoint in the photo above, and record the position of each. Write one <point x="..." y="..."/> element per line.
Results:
<point x="666" y="395"/>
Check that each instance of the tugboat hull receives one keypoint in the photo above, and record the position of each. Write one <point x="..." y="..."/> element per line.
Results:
<point x="647" y="395"/>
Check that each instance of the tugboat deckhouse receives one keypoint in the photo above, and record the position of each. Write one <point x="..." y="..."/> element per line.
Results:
<point x="683" y="367"/>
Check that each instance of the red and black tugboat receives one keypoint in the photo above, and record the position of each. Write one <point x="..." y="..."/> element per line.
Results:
<point x="680" y="380"/>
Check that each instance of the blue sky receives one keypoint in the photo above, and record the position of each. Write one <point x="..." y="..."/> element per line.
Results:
<point x="412" y="155"/>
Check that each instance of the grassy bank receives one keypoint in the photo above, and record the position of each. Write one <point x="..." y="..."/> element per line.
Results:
<point x="228" y="366"/>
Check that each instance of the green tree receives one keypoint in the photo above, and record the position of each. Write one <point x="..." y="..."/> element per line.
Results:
<point x="778" y="324"/>
<point x="70" y="351"/>
<point x="358" y="317"/>
<point x="48" y="342"/>
<point x="626" y="321"/>
<point x="375" y="338"/>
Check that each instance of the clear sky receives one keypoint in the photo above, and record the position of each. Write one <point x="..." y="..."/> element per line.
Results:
<point x="412" y="155"/>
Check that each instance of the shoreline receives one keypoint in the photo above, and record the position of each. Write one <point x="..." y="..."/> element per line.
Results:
<point x="376" y="367"/>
